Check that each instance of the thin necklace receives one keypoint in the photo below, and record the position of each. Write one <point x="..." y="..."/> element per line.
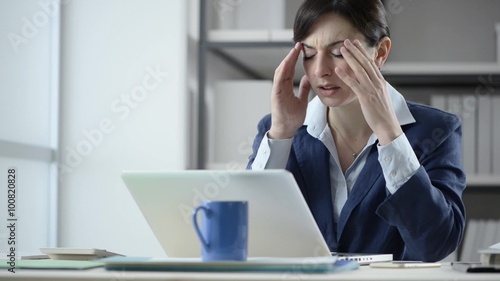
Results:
<point x="354" y="154"/>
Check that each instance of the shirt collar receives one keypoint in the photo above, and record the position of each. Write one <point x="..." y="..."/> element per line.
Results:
<point x="316" y="112"/>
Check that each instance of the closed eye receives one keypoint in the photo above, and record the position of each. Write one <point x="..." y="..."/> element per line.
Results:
<point x="305" y="58"/>
<point x="337" y="55"/>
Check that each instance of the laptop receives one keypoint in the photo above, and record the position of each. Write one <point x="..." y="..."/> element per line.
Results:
<point x="280" y="222"/>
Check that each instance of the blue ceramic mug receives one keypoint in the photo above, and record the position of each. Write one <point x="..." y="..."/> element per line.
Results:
<point x="224" y="230"/>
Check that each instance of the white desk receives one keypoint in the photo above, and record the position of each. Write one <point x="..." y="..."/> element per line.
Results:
<point x="363" y="274"/>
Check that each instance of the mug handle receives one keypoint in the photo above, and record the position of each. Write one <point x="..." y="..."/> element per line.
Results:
<point x="195" y="223"/>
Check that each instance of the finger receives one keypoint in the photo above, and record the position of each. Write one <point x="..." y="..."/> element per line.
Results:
<point x="304" y="89"/>
<point x="286" y="69"/>
<point x="348" y="80"/>
<point x="295" y="53"/>
<point x="359" y="72"/>
<point x="376" y="69"/>
<point x="363" y="59"/>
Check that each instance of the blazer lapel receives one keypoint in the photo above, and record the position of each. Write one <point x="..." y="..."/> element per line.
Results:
<point x="366" y="180"/>
<point x="313" y="160"/>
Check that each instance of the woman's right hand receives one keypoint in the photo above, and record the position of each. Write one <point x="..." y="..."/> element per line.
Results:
<point x="288" y="111"/>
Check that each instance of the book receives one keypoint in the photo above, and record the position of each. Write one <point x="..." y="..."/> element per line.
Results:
<point x="50" y="264"/>
<point x="76" y="254"/>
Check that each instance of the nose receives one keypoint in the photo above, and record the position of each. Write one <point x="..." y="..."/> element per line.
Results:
<point x="323" y="65"/>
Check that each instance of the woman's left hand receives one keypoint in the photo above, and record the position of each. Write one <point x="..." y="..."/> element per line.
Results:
<point x="370" y="86"/>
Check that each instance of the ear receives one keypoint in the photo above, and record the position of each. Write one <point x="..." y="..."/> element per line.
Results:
<point x="383" y="49"/>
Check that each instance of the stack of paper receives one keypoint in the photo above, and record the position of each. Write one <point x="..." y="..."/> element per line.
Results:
<point x="491" y="255"/>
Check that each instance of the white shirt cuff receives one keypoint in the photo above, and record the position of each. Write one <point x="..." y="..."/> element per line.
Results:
<point x="399" y="162"/>
<point x="277" y="159"/>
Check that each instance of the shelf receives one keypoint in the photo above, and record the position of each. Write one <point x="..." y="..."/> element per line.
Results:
<point x="238" y="36"/>
<point x="214" y="45"/>
<point x="441" y="74"/>
<point x="264" y="57"/>
<point x="483" y="180"/>
<point x="432" y="68"/>
<point x="251" y="36"/>
<point x="261" y="51"/>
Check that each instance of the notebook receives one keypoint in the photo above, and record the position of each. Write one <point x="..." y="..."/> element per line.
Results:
<point x="280" y="222"/>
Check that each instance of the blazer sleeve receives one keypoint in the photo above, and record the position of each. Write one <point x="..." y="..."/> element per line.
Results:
<point x="262" y="128"/>
<point x="428" y="209"/>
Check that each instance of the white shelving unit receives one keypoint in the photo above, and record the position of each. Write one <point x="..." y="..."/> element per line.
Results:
<point x="257" y="50"/>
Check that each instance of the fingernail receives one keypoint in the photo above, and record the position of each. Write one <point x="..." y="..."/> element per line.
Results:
<point x="357" y="43"/>
<point x="348" y="42"/>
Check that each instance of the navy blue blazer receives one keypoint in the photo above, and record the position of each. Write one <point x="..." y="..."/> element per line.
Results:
<point x="423" y="220"/>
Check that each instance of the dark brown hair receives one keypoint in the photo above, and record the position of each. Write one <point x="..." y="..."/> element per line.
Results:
<point x="367" y="16"/>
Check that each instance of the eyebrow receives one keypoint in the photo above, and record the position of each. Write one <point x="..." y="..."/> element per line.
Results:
<point x="329" y="45"/>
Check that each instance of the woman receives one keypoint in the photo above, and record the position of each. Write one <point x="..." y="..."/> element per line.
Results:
<point x="380" y="175"/>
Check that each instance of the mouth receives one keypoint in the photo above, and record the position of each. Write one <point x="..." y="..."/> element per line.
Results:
<point x="328" y="90"/>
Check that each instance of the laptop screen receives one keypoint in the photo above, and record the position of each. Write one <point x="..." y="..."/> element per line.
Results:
<point x="280" y="222"/>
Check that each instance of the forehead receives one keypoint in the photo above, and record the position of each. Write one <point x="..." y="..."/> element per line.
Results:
<point x="330" y="28"/>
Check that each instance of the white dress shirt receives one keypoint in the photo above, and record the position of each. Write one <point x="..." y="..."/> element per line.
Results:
<point x="397" y="159"/>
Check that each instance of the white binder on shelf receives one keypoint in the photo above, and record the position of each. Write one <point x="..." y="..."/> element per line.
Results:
<point x="468" y="116"/>
<point x="468" y="249"/>
<point x="497" y="28"/>
<point x="484" y="135"/>
<point x="240" y="16"/>
<point x="238" y="106"/>
<point x="455" y="105"/>
<point x="496" y="137"/>
<point x="479" y="240"/>
<point x="489" y="234"/>
<point x="438" y="101"/>
<point x="497" y="234"/>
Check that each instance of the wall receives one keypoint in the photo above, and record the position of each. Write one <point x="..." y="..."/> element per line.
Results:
<point x="124" y="107"/>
